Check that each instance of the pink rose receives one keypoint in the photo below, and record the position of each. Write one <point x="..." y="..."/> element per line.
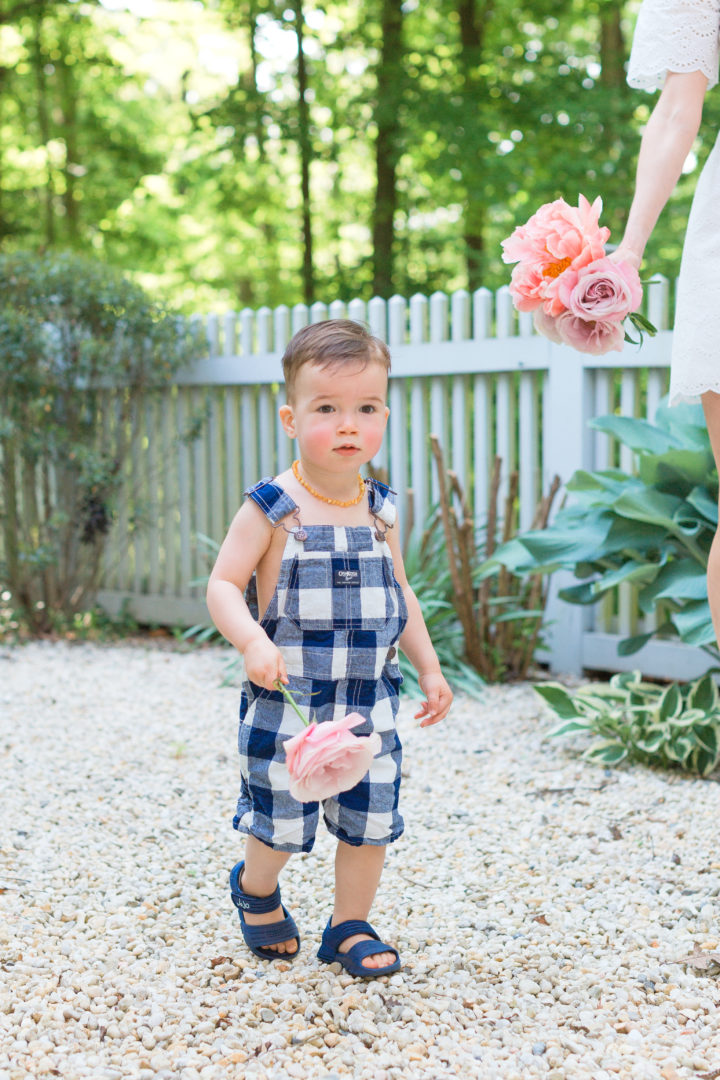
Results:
<point x="604" y="290"/>
<point x="547" y="326"/>
<point x="324" y="759"/>
<point x="590" y="336"/>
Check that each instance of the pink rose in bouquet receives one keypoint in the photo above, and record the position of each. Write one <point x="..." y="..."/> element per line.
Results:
<point x="557" y="238"/>
<point x="594" y="336"/>
<point x="547" y="326"/>
<point x="325" y="759"/>
<point x="603" y="290"/>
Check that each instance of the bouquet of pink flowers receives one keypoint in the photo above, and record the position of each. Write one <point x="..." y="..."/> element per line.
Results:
<point x="578" y="295"/>
<point x="325" y="759"/>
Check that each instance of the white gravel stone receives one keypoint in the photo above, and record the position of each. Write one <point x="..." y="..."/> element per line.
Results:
<point x="543" y="906"/>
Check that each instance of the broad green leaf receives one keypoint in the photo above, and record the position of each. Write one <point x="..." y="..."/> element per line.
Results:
<point x="684" y="422"/>
<point x="680" y="579"/>
<point x="694" y="623"/>
<point x="611" y="753"/>
<point x="651" y="744"/>
<point x="677" y="470"/>
<point x="564" y="546"/>
<point x="704" y="503"/>
<point x="579" y="594"/>
<point x="670" y="703"/>
<point x="626" y="679"/>
<point x="569" y="726"/>
<point x="639" y="435"/>
<point x="558" y="699"/>
<point x="707" y="736"/>
<point x="654" y="507"/>
<point x="631" y="571"/>
<point x="612" y="481"/>
<point x="627" y="534"/>
<point x="631" y="645"/>
<point x="703" y="760"/>
<point x="704" y="694"/>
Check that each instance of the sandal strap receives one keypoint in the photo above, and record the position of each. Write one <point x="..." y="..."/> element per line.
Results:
<point x="362" y="949"/>
<point x="335" y="935"/>
<point x="256" y="905"/>
<point x="272" y="934"/>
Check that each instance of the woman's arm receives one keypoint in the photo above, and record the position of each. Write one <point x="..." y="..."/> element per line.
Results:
<point x="666" y="142"/>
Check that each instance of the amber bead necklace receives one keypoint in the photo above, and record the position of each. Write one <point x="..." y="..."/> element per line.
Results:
<point x="324" y="498"/>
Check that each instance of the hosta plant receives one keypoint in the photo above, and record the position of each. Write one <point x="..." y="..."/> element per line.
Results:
<point x="651" y="528"/>
<point x="670" y="726"/>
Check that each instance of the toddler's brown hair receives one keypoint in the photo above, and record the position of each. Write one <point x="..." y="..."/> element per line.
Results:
<point x="330" y="343"/>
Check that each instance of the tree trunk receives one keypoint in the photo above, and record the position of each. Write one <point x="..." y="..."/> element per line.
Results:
<point x="70" y="131"/>
<point x="612" y="47"/>
<point x="257" y="107"/>
<point x="305" y="156"/>
<point x="473" y="17"/>
<point x="387" y="145"/>
<point x="44" y="125"/>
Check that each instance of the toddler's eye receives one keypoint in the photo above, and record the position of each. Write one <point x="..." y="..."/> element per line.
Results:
<point x="325" y="408"/>
<point x="368" y="409"/>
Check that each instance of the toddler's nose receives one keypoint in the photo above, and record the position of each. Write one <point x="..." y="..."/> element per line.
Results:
<point x="347" y="423"/>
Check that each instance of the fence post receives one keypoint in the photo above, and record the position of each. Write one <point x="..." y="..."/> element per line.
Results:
<point x="567" y="407"/>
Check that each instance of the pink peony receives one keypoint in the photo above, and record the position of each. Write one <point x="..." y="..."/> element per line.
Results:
<point x="556" y="239"/>
<point x="527" y="287"/>
<point x="603" y="291"/>
<point x="547" y="326"/>
<point x="588" y="335"/>
<point x="324" y="759"/>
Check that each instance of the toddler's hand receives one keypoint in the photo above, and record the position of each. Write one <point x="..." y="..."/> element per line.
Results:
<point x="439" y="699"/>
<point x="264" y="662"/>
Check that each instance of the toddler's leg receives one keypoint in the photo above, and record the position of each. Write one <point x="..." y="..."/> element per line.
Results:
<point x="357" y="875"/>
<point x="260" y="878"/>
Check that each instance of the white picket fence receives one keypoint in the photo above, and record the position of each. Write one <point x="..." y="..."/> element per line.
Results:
<point x="463" y="367"/>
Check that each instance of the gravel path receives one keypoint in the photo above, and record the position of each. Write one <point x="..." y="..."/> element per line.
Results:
<point x="543" y="907"/>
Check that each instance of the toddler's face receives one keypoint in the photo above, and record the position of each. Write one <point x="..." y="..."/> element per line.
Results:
<point x="338" y="414"/>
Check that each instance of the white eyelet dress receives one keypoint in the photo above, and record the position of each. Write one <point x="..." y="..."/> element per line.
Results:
<point x="683" y="36"/>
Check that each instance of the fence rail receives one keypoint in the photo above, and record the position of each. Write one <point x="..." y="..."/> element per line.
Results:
<point x="464" y="367"/>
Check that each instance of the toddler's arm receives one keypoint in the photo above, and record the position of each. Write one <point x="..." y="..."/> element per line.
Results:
<point x="666" y="142"/>
<point x="247" y="541"/>
<point x="416" y="644"/>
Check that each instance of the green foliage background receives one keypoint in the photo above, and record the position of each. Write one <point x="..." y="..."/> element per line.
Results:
<point x="167" y="137"/>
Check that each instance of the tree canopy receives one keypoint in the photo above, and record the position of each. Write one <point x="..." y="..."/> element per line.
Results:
<point x="233" y="153"/>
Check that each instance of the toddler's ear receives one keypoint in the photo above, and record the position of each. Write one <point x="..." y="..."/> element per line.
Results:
<point x="287" y="420"/>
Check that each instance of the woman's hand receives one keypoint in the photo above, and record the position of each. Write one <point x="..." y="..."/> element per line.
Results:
<point x="439" y="698"/>
<point x="627" y="255"/>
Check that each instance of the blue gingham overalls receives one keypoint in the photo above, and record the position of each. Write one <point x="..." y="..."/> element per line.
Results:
<point x="336" y="615"/>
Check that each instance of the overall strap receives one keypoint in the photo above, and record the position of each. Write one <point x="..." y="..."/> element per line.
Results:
<point x="272" y="499"/>
<point x="381" y="500"/>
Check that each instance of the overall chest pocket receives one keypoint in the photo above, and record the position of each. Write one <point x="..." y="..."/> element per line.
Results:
<point x="341" y="591"/>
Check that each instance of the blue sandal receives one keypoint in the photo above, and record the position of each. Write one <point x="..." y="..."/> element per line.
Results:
<point x="256" y="937"/>
<point x="333" y="937"/>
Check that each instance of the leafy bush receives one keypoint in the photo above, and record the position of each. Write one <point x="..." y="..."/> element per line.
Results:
<point x="652" y="529"/>
<point x="671" y="726"/>
<point x="79" y="346"/>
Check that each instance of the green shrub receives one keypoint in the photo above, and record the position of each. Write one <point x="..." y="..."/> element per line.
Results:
<point x="670" y="726"/>
<point x="652" y="529"/>
<point x="79" y="347"/>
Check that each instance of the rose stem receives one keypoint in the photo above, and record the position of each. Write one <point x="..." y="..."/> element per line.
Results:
<point x="284" y="690"/>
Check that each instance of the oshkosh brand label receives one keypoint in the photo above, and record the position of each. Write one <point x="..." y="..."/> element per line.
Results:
<point x="343" y="576"/>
